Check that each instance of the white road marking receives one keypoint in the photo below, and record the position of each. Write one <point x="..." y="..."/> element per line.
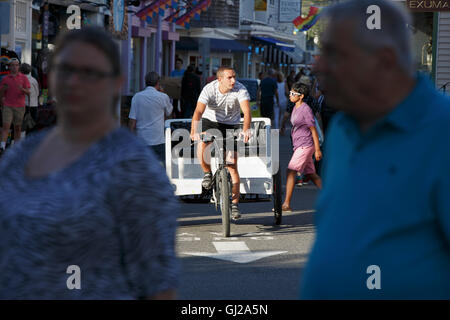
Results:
<point x="183" y="239"/>
<point x="235" y="251"/>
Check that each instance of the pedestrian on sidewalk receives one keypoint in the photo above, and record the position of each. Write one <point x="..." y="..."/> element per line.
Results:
<point x="86" y="212"/>
<point x="13" y="89"/>
<point x="309" y="100"/>
<point x="31" y="100"/>
<point x="178" y="72"/>
<point x="190" y="91"/>
<point x="305" y="142"/>
<point x="269" y="95"/>
<point x="380" y="235"/>
<point x="283" y="94"/>
<point x="149" y="109"/>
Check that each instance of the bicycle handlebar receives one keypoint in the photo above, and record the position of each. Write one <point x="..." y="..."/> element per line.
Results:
<point x="207" y="137"/>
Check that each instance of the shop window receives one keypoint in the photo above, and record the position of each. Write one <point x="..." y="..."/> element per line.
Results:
<point x="135" y="65"/>
<point x="21" y="17"/>
<point x="226" y="62"/>
<point x="422" y="42"/>
<point x="20" y="46"/>
<point x="215" y="63"/>
<point x="310" y="45"/>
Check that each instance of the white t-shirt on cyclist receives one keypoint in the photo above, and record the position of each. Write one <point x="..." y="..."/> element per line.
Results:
<point x="223" y="108"/>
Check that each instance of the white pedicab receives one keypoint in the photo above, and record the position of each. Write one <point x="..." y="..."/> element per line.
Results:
<point x="258" y="166"/>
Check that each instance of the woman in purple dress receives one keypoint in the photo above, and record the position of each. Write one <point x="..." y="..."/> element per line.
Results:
<point x="305" y="141"/>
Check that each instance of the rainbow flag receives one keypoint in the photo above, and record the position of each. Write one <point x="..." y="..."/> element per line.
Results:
<point x="303" y="24"/>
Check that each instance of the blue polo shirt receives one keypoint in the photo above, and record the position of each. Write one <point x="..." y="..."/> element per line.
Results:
<point x="177" y="73"/>
<point x="386" y="203"/>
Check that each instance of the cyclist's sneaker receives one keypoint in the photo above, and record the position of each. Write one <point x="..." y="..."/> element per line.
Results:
<point x="235" y="213"/>
<point x="207" y="181"/>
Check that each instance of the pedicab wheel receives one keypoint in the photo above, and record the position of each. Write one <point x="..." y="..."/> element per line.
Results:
<point x="277" y="197"/>
<point x="224" y="200"/>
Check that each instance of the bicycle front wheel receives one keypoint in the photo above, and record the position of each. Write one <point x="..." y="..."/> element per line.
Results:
<point x="224" y="195"/>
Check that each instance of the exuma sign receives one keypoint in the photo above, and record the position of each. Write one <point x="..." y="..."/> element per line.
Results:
<point x="428" y="5"/>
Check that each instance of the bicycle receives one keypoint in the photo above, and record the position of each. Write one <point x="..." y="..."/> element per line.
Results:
<point x="221" y="180"/>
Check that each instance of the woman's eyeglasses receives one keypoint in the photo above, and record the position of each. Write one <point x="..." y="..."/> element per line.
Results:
<point x="87" y="74"/>
<point x="293" y="93"/>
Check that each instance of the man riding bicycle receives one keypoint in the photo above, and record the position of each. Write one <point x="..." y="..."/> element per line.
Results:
<point x="218" y="108"/>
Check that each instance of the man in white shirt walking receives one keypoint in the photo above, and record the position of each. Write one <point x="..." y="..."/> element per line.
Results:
<point x="219" y="107"/>
<point x="31" y="100"/>
<point x="149" y="109"/>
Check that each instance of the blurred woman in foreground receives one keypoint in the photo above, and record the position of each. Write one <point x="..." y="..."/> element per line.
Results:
<point x="86" y="211"/>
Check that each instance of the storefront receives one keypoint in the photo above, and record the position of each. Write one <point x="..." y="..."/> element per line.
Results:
<point x="431" y="43"/>
<point x="441" y="51"/>
<point x="148" y="46"/>
<point x="48" y="20"/>
<point x="16" y="35"/>
<point x="223" y="52"/>
<point x="272" y="53"/>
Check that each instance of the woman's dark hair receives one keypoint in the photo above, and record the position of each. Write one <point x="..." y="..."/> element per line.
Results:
<point x="301" y="88"/>
<point x="189" y="69"/>
<point x="94" y="36"/>
<point x="25" y="68"/>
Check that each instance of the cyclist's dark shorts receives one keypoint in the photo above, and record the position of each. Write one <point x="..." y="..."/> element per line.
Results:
<point x="225" y="129"/>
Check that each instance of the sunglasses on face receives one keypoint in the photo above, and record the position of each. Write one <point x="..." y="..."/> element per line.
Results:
<point x="293" y="93"/>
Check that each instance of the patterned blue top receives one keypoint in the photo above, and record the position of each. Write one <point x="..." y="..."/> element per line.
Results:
<point x="112" y="213"/>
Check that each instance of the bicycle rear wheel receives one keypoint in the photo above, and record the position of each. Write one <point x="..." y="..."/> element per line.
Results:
<point x="223" y="185"/>
<point x="277" y="197"/>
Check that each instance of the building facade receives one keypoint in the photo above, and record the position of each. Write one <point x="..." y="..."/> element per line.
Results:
<point x="16" y="27"/>
<point x="213" y="40"/>
<point x="441" y="67"/>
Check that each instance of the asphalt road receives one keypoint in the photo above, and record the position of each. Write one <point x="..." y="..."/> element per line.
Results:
<point x="259" y="261"/>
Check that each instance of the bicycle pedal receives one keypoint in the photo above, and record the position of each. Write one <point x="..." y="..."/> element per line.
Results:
<point x="236" y="218"/>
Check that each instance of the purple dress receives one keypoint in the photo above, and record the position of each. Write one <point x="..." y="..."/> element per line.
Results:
<point x="302" y="118"/>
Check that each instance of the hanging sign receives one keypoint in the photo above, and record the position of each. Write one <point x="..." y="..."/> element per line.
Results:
<point x="428" y="5"/>
<point x="118" y="21"/>
<point x="260" y="5"/>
